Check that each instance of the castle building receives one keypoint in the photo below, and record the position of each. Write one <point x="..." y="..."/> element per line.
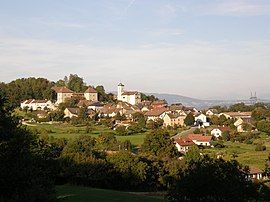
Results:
<point x="63" y="93"/>
<point x="131" y="97"/>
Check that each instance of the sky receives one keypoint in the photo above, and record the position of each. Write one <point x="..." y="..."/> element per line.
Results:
<point x="208" y="49"/>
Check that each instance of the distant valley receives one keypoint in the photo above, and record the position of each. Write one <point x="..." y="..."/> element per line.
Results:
<point x="199" y="103"/>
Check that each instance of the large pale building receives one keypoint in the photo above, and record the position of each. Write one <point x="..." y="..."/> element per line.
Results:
<point x="63" y="93"/>
<point x="131" y="97"/>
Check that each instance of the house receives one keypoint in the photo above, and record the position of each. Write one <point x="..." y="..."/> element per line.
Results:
<point x="37" y="104"/>
<point x="237" y="115"/>
<point x="71" y="112"/>
<point x="183" y="144"/>
<point x="74" y="112"/>
<point x="131" y="97"/>
<point x="91" y="94"/>
<point x="200" y="139"/>
<point x="201" y="120"/>
<point x="239" y="125"/>
<point x="109" y="111"/>
<point x="159" y="104"/>
<point x="155" y="114"/>
<point x="94" y="105"/>
<point x="254" y="174"/>
<point x="63" y="94"/>
<point x="176" y="108"/>
<point x="175" y="119"/>
<point x="217" y="132"/>
<point x="211" y="112"/>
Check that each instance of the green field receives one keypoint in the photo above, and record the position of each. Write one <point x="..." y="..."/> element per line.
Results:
<point x="246" y="154"/>
<point x="65" y="130"/>
<point x="77" y="193"/>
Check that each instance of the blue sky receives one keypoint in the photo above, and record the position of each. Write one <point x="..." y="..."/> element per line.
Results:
<point x="205" y="49"/>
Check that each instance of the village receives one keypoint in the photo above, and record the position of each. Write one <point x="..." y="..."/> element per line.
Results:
<point x="207" y="129"/>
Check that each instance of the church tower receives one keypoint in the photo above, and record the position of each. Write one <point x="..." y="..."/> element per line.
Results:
<point x="120" y="90"/>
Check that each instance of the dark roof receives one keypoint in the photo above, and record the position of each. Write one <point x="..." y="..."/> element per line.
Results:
<point x="130" y="93"/>
<point x="120" y="84"/>
<point x="90" y="90"/>
<point x="61" y="89"/>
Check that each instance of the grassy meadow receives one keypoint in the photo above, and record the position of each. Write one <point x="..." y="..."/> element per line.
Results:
<point x="70" y="193"/>
<point x="66" y="130"/>
<point x="245" y="153"/>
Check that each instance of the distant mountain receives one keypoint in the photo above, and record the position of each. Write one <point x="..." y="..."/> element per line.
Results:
<point x="198" y="103"/>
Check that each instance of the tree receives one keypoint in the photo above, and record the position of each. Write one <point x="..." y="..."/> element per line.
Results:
<point x="148" y="97"/>
<point x="24" y="172"/>
<point x="28" y="88"/>
<point x="158" y="143"/>
<point x="189" y="120"/>
<point x="76" y="83"/>
<point x="193" y="154"/>
<point x="213" y="180"/>
<point x="103" y="96"/>
<point x="264" y="126"/>
<point x="215" y="120"/>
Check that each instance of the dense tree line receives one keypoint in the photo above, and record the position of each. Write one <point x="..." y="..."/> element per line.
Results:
<point x="41" y="88"/>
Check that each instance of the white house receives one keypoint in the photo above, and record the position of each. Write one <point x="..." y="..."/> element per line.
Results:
<point x="254" y="174"/>
<point x="202" y="120"/>
<point x="131" y="97"/>
<point x="217" y="132"/>
<point x="239" y="125"/>
<point x="37" y="104"/>
<point x="183" y="144"/>
<point x="211" y="112"/>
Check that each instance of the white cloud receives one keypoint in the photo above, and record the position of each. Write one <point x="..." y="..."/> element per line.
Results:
<point x="235" y="8"/>
<point x="199" y="69"/>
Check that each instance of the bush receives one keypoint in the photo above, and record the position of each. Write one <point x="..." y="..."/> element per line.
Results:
<point x="121" y="131"/>
<point x="218" y="144"/>
<point x="260" y="147"/>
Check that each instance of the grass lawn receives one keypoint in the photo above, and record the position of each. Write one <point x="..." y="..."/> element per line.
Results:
<point x="65" y="130"/>
<point x="78" y="193"/>
<point x="246" y="154"/>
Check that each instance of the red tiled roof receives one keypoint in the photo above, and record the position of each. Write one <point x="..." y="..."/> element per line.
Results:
<point x="184" y="142"/>
<point x="224" y="129"/>
<point x="62" y="89"/>
<point x="155" y="112"/>
<point x="90" y="90"/>
<point x="200" y="137"/>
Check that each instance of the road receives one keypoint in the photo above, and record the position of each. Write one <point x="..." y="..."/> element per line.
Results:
<point x="185" y="132"/>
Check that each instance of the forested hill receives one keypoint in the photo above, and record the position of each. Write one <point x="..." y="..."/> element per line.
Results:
<point x="41" y="88"/>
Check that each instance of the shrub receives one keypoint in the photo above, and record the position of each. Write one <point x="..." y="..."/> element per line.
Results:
<point x="260" y="147"/>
